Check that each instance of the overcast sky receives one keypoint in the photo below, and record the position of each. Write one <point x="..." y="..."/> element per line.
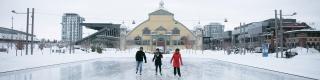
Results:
<point x="48" y="13"/>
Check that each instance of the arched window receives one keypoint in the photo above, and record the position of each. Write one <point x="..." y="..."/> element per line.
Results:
<point x="175" y="31"/>
<point x="146" y="31"/>
<point x="160" y="39"/>
<point x="137" y="40"/>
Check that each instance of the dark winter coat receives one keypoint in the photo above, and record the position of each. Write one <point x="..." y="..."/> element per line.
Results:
<point x="157" y="58"/>
<point x="140" y="55"/>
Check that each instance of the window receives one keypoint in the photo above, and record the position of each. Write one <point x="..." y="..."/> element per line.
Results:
<point x="160" y="39"/>
<point x="146" y="31"/>
<point x="175" y="42"/>
<point x="137" y="40"/>
<point x="175" y="31"/>
<point x="146" y="42"/>
<point x="168" y="42"/>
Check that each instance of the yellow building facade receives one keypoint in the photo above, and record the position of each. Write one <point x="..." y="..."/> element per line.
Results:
<point x="162" y="31"/>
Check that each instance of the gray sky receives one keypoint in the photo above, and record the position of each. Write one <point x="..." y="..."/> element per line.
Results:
<point x="48" y="13"/>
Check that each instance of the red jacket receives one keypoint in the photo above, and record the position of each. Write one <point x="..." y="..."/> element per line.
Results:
<point x="177" y="60"/>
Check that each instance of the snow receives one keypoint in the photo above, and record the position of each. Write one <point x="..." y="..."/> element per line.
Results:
<point x="302" y="30"/>
<point x="13" y="62"/>
<point x="305" y="51"/>
<point x="204" y="65"/>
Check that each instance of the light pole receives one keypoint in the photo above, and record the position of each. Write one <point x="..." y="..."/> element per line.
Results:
<point x="32" y="26"/>
<point x="202" y="35"/>
<point x="12" y="30"/>
<point x="70" y="38"/>
<point x="276" y="31"/>
<point x="242" y="38"/>
<point x="280" y="32"/>
<point x="27" y="29"/>
<point x="221" y="35"/>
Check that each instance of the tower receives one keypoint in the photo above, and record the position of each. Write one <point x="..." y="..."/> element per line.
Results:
<point x="123" y="34"/>
<point x="71" y="28"/>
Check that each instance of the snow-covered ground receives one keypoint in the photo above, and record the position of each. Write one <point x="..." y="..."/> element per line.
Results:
<point x="305" y="64"/>
<point x="9" y="61"/>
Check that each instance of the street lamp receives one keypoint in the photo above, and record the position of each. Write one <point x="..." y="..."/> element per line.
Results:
<point x="27" y="29"/>
<point x="294" y="13"/>
<point x="281" y="30"/>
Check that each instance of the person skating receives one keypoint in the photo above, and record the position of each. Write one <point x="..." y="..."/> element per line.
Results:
<point x="176" y="60"/>
<point x="140" y="56"/>
<point x="157" y="60"/>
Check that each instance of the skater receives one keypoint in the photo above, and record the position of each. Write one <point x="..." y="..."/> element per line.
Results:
<point x="157" y="60"/>
<point x="177" y="60"/>
<point x="140" y="55"/>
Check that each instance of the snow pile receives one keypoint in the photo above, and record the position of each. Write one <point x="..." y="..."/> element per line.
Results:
<point x="305" y="51"/>
<point x="304" y="65"/>
<point x="9" y="61"/>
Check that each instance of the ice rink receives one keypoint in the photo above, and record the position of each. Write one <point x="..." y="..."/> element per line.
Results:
<point x="124" y="69"/>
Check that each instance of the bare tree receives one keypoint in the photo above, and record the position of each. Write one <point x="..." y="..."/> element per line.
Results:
<point x="41" y="46"/>
<point x="19" y="46"/>
<point x="86" y="46"/>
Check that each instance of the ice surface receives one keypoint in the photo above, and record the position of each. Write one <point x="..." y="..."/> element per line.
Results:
<point x="305" y="64"/>
<point x="124" y="69"/>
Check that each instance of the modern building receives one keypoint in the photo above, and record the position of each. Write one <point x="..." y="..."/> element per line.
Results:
<point x="71" y="28"/>
<point x="248" y="35"/>
<point x="222" y="42"/>
<point x="8" y="36"/>
<point x="108" y="35"/>
<point x="161" y="30"/>
<point x="213" y="30"/>
<point x="308" y="38"/>
<point x="213" y="36"/>
<point x="225" y="41"/>
<point x="256" y="33"/>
